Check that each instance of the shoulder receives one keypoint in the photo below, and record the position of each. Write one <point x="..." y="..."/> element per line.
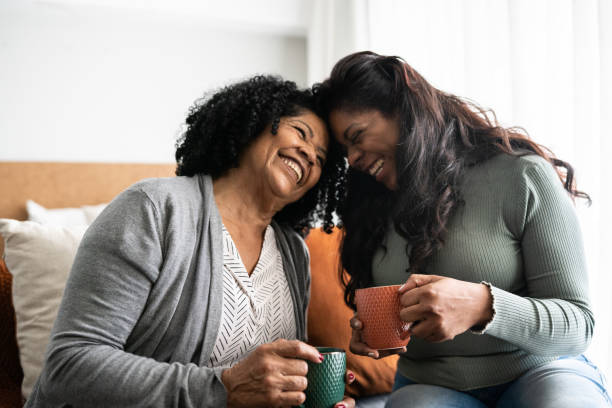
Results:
<point x="536" y="167"/>
<point x="514" y="172"/>
<point x="517" y="186"/>
<point x="530" y="173"/>
<point x="508" y="163"/>
<point x="176" y="200"/>
<point x="161" y="190"/>
<point x="170" y="195"/>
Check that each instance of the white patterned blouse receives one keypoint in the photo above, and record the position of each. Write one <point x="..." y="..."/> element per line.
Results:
<point x="257" y="309"/>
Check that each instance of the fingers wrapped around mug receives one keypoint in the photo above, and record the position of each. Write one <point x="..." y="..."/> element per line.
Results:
<point x="440" y="308"/>
<point x="358" y="346"/>
<point x="274" y="374"/>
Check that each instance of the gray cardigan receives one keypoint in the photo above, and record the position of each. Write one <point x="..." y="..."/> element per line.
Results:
<point x="142" y="306"/>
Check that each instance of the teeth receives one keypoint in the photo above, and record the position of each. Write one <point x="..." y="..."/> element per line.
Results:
<point x="376" y="167"/>
<point x="295" y="167"/>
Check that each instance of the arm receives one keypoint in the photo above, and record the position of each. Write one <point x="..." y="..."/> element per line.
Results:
<point x="116" y="266"/>
<point x="553" y="317"/>
<point x="550" y="315"/>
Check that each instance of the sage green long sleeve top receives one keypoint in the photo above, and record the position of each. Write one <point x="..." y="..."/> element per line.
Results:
<point x="517" y="231"/>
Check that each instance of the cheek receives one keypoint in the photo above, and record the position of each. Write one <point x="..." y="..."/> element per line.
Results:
<point x="386" y="147"/>
<point x="375" y="146"/>
<point x="315" y="176"/>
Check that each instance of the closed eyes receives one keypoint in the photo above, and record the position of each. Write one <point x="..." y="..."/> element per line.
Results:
<point x="356" y="137"/>
<point x="302" y="133"/>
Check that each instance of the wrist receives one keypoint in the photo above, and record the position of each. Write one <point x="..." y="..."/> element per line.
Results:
<point x="226" y="379"/>
<point x="485" y="301"/>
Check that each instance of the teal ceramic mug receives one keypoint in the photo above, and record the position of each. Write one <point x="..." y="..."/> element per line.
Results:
<point x="326" y="380"/>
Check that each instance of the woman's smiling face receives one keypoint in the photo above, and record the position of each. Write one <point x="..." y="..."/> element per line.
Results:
<point x="289" y="163"/>
<point x="370" y="139"/>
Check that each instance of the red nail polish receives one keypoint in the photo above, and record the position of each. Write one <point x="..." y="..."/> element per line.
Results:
<point x="321" y="358"/>
<point x="351" y="376"/>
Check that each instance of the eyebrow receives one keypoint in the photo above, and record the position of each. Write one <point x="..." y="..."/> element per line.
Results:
<point x="311" y="134"/>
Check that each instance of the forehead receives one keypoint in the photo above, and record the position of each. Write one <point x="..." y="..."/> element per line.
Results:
<point x="342" y="121"/>
<point x="349" y="117"/>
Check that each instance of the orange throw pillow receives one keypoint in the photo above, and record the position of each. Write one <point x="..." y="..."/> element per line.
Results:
<point x="11" y="374"/>
<point x="328" y="317"/>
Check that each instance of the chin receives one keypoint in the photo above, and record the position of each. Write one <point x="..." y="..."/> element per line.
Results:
<point x="287" y="191"/>
<point x="390" y="184"/>
<point x="392" y="187"/>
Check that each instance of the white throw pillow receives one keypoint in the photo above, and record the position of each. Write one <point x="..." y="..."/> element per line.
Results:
<point x="64" y="217"/>
<point x="39" y="257"/>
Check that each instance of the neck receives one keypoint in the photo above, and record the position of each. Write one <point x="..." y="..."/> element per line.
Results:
<point x="243" y="203"/>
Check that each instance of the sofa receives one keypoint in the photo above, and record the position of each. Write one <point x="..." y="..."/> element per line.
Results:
<point x="80" y="189"/>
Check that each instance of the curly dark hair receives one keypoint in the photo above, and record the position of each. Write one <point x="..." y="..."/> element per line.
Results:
<point x="440" y="136"/>
<point x="222" y="125"/>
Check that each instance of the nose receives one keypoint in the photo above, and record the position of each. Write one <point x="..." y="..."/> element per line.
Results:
<point x="308" y="152"/>
<point x="353" y="155"/>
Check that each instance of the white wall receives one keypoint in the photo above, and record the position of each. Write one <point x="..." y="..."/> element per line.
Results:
<point x="99" y="81"/>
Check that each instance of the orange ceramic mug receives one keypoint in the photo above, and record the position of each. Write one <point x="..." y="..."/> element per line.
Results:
<point x="378" y="309"/>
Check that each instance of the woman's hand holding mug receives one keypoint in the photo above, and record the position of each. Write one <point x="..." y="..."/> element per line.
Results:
<point x="274" y="375"/>
<point x="358" y="346"/>
<point x="440" y="308"/>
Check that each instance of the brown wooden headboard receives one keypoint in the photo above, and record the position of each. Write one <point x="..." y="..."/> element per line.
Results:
<point x="57" y="185"/>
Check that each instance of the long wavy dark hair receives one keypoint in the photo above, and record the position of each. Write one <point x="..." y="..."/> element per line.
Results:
<point x="440" y="135"/>
<point x="222" y="125"/>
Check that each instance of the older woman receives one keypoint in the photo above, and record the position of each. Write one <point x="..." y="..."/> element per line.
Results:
<point x="192" y="291"/>
<point x="477" y="222"/>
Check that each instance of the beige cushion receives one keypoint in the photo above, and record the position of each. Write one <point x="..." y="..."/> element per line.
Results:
<point x="39" y="257"/>
<point x="64" y="217"/>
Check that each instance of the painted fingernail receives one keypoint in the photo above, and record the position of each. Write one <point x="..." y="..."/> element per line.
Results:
<point x="351" y="376"/>
<point x="321" y="358"/>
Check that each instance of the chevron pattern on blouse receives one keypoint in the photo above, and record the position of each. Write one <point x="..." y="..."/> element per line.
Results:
<point x="257" y="309"/>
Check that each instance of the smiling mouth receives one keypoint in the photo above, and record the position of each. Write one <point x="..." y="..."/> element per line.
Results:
<point x="294" y="167"/>
<point x="376" y="167"/>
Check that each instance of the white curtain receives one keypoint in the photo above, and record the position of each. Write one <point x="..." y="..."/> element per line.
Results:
<point x="544" y="65"/>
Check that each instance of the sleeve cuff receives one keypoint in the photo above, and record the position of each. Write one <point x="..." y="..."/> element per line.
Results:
<point x="483" y="329"/>
<point x="221" y="391"/>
